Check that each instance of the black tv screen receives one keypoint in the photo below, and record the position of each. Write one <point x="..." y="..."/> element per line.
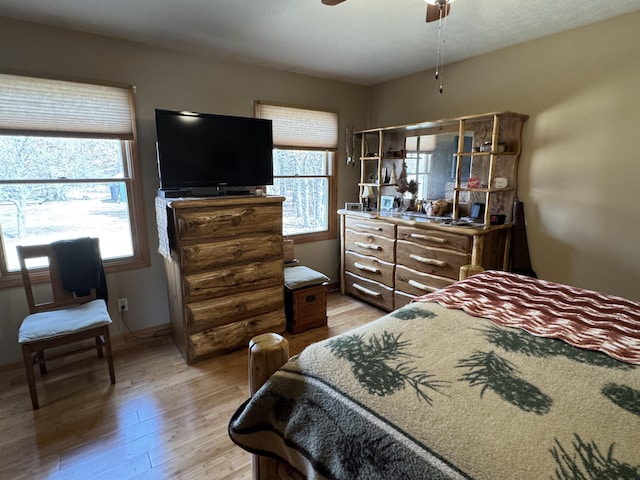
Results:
<point x="198" y="151"/>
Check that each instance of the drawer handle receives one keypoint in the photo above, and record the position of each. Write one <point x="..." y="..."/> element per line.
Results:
<point x="369" y="227"/>
<point x="429" y="238"/>
<point x="421" y="286"/>
<point x="366" y="291"/>
<point x="370" y="246"/>
<point x="366" y="267"/>
<point x="428" y="261"/>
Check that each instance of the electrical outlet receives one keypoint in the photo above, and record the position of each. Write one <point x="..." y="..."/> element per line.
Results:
<point x="123" y="304"/>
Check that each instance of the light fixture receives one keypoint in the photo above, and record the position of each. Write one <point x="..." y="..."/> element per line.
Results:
<point x="439" y="10"/>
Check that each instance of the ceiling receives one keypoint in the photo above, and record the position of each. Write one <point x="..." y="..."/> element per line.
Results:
<point x="359" y="41"/>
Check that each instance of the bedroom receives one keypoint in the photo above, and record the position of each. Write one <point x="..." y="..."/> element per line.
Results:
<point x="578" y="171"/>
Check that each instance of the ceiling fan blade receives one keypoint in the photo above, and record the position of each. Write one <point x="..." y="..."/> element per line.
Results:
<point x="433" y="12"/>
<point x="332" y="2"/>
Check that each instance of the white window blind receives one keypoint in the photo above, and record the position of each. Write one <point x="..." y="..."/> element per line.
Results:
<point x="56" y="107"/>
<point x="300" y="127"/>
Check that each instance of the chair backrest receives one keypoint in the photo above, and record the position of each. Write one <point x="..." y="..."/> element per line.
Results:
<point x="60" y="297"/>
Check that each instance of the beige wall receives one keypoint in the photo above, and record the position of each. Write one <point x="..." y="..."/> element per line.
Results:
<point x="580" y="168"/>
<point x="172" y="80"/>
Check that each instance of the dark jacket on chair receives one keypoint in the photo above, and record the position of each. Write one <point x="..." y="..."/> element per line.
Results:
<point x="81" y="266"/>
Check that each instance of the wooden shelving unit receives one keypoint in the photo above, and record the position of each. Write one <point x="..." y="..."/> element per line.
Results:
<point x="492" y="160"/>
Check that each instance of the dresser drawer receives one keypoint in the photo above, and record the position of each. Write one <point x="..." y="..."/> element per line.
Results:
<point x="401" y="299"/>
<point x="436" y="261"/>
<point x="371" y="226"/>
<point x="372" y="244"/>
<point x="369" y="291"/>
<point x="369" y="267"/>
<point x="206" y="256"/>
<point x="233" y="308"/>
<point x="233" y="336"/>
<point x="231" y="280"/>
<point x="436" y="238"/>
<point x="418" y="283"/>
<point x="226" y="222"/>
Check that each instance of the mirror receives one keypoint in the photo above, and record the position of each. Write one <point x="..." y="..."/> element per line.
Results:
<point x="431" y="162"/>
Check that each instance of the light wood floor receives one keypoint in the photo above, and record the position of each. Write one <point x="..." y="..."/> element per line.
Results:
<point x="162" y="420"/>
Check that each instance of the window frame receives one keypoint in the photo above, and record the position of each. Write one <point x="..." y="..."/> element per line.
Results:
<point x="132" y="179"/>
<point x="332" y="173"/>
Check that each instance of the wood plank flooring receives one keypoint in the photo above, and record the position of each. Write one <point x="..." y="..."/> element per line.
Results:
<point x="162" y="420"/>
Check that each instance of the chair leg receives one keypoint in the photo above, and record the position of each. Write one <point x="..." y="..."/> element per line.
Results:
<point x="99" y="344"/>
<point x="41" y="362"/>
<point x="31" y="379"/>
<point x="107" y="347"/>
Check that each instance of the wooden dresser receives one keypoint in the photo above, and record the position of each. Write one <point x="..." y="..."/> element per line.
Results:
<point x="224" y="264"/>
<point x="387" y="260"/>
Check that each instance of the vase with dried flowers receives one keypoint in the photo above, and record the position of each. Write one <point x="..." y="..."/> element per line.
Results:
<point x="406" y="188"/>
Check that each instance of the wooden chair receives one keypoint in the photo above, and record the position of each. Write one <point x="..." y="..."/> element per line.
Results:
<point x="65" y="319"/>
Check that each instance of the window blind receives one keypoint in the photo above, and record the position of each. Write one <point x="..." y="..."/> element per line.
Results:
<point x="300" y="127"/>
<point x="47" y="107"/>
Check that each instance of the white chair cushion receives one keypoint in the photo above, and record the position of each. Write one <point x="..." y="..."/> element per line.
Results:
<point x="43" y="325"/>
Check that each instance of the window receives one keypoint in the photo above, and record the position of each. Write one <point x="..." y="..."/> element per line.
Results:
<point x="304" y="165"/>
<point x="68" y="168"/>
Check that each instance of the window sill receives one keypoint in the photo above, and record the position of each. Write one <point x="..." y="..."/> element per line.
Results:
<point x="14" y="279"/>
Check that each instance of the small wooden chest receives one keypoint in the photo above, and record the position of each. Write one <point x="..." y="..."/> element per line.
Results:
<point x="306" y="308"/>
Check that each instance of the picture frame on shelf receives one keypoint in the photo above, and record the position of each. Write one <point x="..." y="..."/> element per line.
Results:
<point x="386" y="203"/>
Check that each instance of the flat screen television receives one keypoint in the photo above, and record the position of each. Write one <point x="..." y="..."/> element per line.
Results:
<point x="208" y="154"/>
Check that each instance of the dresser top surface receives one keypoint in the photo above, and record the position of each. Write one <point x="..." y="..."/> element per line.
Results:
<point x="412" y="219"/>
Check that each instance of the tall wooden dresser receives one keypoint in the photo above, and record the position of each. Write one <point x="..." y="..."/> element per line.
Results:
<point x="224" y="262"/>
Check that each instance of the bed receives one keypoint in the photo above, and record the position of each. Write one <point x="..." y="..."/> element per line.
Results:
<point x="498" y="376"/>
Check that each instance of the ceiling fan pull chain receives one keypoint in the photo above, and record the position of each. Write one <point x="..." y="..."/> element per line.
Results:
<point x="442" y="31"/>
<point x="444" y="42"/>
<point x="438" y="48"/>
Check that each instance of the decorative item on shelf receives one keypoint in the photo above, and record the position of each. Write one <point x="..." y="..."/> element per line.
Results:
<point x="487" y="146"/>
<point x="394" y="176"/>
<point x="350" y="145"/>
<point x="367" y="195"/>
<point x="497" y="218"/>
<point x="386" y="203"/>
<point x="428" y="209"/>
<point x="439" y="208"/>
<point x="477" y="211"/>
<point x="407" y="188"/>
<point x="473" y="182"/>
<point x="500" y="183"/>
<point x="386" y="178"/>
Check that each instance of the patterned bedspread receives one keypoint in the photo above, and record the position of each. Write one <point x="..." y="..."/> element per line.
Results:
<point x="430" y="392"/>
